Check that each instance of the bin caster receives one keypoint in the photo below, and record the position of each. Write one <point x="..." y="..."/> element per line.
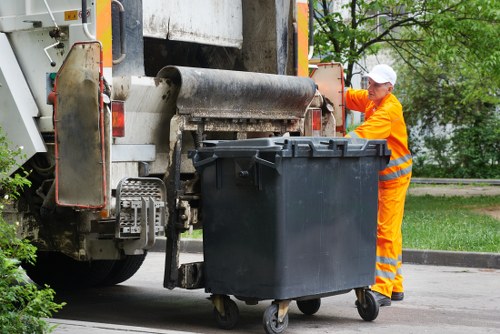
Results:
<point x="275" y="318"/>
<point x="367" y="304"/>
<point x="226" y="311"/>
<point x="310" y="306"/>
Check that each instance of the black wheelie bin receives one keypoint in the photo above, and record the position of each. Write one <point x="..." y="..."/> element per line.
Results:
<point x="289" y="218"/>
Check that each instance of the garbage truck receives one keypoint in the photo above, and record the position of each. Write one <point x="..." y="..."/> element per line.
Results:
<point x="106" y="98"/>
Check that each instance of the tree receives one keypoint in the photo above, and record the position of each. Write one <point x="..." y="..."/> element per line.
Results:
<point x="453" y="83"/>
<point x="23" y="305"/>
<point x="366" y="27"/>
<point x="448" y="60"/>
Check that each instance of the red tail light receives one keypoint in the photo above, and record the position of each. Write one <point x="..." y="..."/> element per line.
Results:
<point x="316" y="122"/>
<point x="118" y="118"/>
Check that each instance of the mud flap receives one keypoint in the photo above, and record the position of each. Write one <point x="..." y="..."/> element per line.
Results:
<point x="79" y="129"/>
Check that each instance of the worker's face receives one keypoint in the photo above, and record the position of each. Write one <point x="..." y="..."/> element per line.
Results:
<point x="377" y="91"/>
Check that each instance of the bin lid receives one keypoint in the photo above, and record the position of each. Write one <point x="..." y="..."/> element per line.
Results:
<point x="302" y="146"/>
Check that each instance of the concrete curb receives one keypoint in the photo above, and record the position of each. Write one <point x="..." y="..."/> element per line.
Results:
<point x="427" y="257"/>
<point x="456" y="259"/>
<point x="65" y="326"/>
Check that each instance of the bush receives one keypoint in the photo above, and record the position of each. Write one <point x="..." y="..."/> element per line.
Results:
<point x="23" y="305"/>
<point x="466" y="151"/>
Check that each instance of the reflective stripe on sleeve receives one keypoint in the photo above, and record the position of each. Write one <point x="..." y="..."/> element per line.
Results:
<point x="399" y="161"/>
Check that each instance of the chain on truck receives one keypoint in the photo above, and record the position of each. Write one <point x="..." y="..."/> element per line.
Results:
<point x="107" y="97"/>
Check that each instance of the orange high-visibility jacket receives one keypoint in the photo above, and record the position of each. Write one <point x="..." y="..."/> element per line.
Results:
<point x="384" y="121"/>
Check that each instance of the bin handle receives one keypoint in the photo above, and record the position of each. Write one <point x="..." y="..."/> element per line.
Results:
<point x="255" y="158"/>
<point x="336" y="146"/>
<point x="275" y="165"/>
<point x="199" y="163"/>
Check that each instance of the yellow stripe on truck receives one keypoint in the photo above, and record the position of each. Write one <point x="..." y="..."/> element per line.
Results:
<point x="103" y="30"/>
<point x="302" y="38"/>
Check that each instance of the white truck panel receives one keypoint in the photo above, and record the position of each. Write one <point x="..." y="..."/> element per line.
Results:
<point x="27" y="7"/>
<point x="28" y="47"/>
<point x="214" y="22"/>
<point x="18" y="15"/>
<point x="18" y="105"/>
<point x="123" y="153"/>
<point x="145" y="110"/>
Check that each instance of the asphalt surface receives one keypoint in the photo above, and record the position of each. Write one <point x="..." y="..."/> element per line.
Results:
<point x="438" y="299"/>
<point x="447" y="292"/>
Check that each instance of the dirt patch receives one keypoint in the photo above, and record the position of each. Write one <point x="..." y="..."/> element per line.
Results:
<point x="454" y="190"/>
<point x="493" y="211"/>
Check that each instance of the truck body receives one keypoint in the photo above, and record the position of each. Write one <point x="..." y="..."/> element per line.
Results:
<point x="107" y="97"/>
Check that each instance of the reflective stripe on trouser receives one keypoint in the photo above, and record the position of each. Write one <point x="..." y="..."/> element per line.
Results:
<point x="388" y="276"/>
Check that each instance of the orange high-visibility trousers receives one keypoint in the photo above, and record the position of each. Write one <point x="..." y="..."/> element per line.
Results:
<point x="388" y="274"/>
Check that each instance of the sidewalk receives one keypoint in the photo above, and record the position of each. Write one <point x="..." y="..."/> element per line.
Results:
<point x="85" y="327"/>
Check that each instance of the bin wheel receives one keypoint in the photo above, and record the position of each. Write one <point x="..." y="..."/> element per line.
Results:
<point x="231" y="316"/>
<point x="370" y="311"/>
<point x="310" y="306"/>
<point x="271" y="322"/>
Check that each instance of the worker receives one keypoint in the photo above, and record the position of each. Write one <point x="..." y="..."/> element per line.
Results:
<point x="384" y="120"/>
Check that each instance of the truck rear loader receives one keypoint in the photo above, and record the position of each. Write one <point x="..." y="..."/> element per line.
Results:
<point x="106" y="98"/>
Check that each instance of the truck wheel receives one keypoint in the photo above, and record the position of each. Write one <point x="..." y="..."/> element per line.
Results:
<point x="62" y="272"/>
<point x="124" y="269"/>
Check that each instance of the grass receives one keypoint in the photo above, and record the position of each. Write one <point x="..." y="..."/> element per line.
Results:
<point x="451" y="223"/>
<point x="195" y="234"/>
<point x="444" y="223"/>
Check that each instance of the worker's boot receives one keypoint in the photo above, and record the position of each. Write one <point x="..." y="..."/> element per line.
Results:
<point x="381" y="299"/>
<point x="397" y="296"/>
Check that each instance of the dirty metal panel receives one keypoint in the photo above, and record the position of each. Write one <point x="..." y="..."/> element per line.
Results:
<point x="213" y="22"/>
<point x="210" y="93"/>
<point x="229" y="125"/>
<point x="80" y="163"/>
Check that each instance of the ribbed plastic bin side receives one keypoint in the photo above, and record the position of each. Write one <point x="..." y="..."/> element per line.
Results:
<point x="285" y="218"/>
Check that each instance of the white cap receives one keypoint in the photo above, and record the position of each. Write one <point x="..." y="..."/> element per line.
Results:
<point x="383" y="73"/>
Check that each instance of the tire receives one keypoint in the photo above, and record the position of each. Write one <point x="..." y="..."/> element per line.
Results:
<point x="124" y="269"/>
<point x="231" y="317"/>
<point x="370" y="312"/>
<point x="270" y="320"/>
<point x="310" y="306"/>
<point x="62" y="272"/>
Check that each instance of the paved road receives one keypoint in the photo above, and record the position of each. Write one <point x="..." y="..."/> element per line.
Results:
<point x="439" y="300"/>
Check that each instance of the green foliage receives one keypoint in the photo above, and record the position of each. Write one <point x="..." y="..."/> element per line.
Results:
<point x="22" y="304"/>
<point x="195" y="234"/>
<point x="469" y="151"/>
<point x="450" y="92"/>
<point x="451" y="223"/>
<point x="10" y="185"/>
<point x="367" y="27"/>
<point x="448" y="62"/>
